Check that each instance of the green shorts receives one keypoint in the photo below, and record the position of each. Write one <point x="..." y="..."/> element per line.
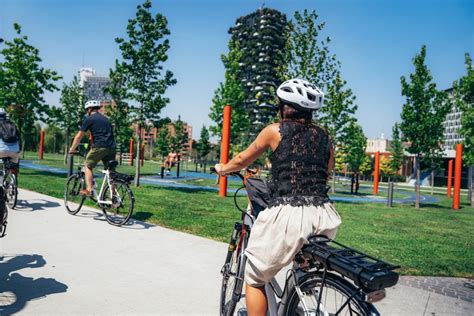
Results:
<point x="99" y="154"/>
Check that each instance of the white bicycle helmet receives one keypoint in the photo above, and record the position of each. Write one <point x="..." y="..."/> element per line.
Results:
<point x="301" y="94"/>
<point x="92" y="104"/>
<point x="3" y="113"/>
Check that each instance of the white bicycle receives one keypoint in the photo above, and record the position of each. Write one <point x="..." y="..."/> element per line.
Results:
<point x="115" y="197"/>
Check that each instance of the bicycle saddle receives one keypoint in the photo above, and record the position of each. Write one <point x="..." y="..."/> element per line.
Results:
<point x="112" y="164"/>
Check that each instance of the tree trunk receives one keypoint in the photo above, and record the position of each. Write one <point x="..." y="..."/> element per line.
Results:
<point x="333" y="188"/>
<point x="417" y="183"/>
<point x="137" y="165"/>
<point x="357" y="184"/>
<point x="352" y="183"/>
<point x="470" y="185"/>
<point x="432" y="181"/>
<point x="66" y="147"/>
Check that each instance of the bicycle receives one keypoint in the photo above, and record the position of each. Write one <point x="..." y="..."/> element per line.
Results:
<point x="326" y="278"/>
<point x="10" y="181"/>
<point x="115" y="198"/>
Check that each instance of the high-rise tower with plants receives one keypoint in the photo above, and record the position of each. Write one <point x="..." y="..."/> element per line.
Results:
<point x="261" y="38"/>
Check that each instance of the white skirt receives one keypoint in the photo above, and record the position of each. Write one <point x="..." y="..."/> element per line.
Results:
<point x="279" y="233"/>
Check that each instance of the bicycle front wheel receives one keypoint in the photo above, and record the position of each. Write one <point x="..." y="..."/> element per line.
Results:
<point x="232" y="301"/>
<point x="72" y="199"/>
<point x="11" y="189"/>
<point x="336" y="297"/>
<point x="117" y="202"/>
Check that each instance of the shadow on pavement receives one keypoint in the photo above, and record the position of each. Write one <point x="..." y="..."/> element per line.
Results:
<point x="16" y="290"/>
<point x="35" y="205"/>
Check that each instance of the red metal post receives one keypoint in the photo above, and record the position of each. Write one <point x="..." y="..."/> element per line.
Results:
<point x="131" y="151"/>
<point x="41" y="145"/>
<point x="225" y="148"/>
<point x="376" y="173"/>
<point x="457" y="177"/>
<point x="450" y="177"/>
<point x="142" y="154"/>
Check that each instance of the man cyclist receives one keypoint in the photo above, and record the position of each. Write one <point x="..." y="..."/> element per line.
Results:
<point x="9" y="138"/>
<point x="103" y="142"/>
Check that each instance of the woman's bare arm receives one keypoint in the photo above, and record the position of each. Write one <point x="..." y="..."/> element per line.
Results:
<point x="269" y="137"/>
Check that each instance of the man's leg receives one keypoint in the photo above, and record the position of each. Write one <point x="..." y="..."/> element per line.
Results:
<point x="89" y="177"/>
<point x="256" y="301"/>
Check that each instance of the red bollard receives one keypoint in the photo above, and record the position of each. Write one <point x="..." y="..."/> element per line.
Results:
<point x="131" y="151"/>
<point x="142" y="154"/>
<point x="450" y="176"/>
<point x="376" y="173"/>
<point x="41" y="145"/>
<point x="225" y="149"/>
<point x="457" y="177"/>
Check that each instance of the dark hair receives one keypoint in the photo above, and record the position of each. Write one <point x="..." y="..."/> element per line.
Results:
<point x="289" y="112"/>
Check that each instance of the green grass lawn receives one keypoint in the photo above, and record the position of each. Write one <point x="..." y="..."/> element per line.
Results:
<point x="433" y="240"/>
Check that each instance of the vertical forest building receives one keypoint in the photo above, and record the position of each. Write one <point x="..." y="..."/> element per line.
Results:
<point x="261" y="39"/>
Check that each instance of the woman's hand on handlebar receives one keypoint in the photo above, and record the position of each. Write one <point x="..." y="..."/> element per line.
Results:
<point x="218" y="169"/>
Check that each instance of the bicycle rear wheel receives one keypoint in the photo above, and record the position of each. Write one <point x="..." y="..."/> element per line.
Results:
<point x="11" y="189"/>
<point x="335" y="297"/>
<point x="72" y="199"/>
<point x="3" y="219"/>
<point x="120" y="204"/>
<point x="232" y="301"/>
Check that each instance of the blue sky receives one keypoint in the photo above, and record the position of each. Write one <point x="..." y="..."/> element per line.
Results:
<point x="374" y="39"/>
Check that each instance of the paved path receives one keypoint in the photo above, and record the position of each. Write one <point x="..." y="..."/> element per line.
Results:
<point x="52" y="263"/>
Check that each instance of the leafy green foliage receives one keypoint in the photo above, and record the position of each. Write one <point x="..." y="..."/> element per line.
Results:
<point x="424" y="111"/>
<point x="354" y="147"/>
<point x="69" y="116"/>
<point x="464" y="94"/>
<point x="118" y="112"/>
<point x="308" y="55"/>
<point x="231" y="92"/>
<point x="144" y="80"/>
<point x="203" y="147"/>
<point x="179" y="138"/>
<point x="23" y="82"/>
<point x="396" y="151"/>
<point x="163" y="141"/>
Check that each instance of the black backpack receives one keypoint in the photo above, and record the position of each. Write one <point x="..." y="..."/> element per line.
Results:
<point x="9" y="132"/>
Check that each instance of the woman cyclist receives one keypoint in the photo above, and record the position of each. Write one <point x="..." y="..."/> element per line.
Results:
<point x="299" y="207"/>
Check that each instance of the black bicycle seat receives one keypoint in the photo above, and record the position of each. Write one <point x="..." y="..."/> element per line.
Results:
<point x="112" y="164"/>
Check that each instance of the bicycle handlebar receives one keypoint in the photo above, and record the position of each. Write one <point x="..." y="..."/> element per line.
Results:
<point x="237" y="174"/>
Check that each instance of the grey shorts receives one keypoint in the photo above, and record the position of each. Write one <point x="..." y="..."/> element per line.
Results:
<point x="279" y="233"/>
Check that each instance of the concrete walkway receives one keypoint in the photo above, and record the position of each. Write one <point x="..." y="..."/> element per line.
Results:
<point x="52" y="263"/>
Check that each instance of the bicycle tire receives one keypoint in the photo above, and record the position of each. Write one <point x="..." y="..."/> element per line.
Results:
<point x="3" y="221"/>
<point x="232" y="279"/>
<point x="290" y="301"/>
<point x="112" y="213"/>
<point x="11" y="188"/>
<point x="74" y="184"/>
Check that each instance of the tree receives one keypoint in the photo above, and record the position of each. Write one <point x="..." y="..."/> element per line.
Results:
<point x="70" y="115"/>
<point x="180" y="136"/>
<point x="145" y="81"/>
<point x="203" y="147"/>
<point x="385" y="169"/>
<point x="396" y="151"/>
<point x="53" y="136"/>
<point x="163" y="141"/>
<point x="118" y="112"/>
<point x="366" y="167"/>
<point x="464" y="98"/>
<point x="23" y="82"/>
<point x="308" y="55"/>
<point x="354" y="148"/>
<point x="231" y="92"/>
<point x="422" y="116"/>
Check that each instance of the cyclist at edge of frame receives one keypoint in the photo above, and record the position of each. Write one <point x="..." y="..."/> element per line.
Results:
<point x="103" y="142"/>
<point x="9" y="138"/>
<point x="302" y="159"/>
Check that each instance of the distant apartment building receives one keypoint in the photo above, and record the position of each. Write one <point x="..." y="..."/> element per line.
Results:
<point x="452" y="125"/>
<point x="94" y="85"/>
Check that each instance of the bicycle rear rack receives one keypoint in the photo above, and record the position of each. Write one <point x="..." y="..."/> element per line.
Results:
<point x="366" y="271"/>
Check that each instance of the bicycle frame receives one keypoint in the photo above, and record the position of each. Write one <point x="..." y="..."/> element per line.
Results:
<point x="102" y="187"/>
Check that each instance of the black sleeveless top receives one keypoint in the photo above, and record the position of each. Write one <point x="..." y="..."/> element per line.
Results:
<point x="300" y="165"/>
